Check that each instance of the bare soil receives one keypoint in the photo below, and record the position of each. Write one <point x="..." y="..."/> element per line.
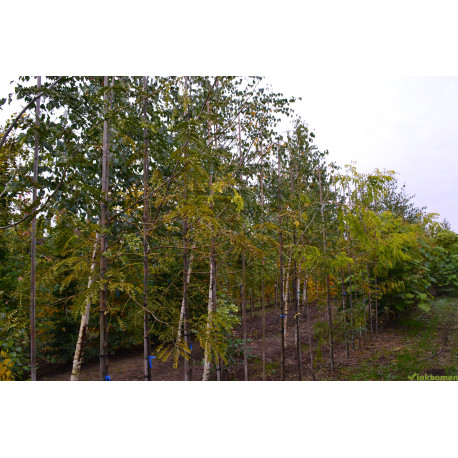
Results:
<point x="380" y="350"/>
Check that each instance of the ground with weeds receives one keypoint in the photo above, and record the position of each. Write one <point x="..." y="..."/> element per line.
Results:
<point x="422" y="343"/>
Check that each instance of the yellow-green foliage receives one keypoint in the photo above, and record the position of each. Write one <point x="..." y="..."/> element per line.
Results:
<point x="6" y="367"/>
<point x="212" y="329"/>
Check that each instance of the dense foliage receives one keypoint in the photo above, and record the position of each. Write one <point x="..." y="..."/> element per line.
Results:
<point x="225" y="186"/>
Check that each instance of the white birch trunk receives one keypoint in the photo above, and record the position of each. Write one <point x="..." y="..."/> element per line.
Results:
<point x="207" y="355"/>
<point x="212" y="286"/>
<point x="188" y="278"/>
<point x="82" y="336"/>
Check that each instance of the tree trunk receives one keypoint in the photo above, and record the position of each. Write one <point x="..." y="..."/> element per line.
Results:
<point x="103" y="248"/>
<point x="296" y="290"/>
<point x="296" y="295"/>
<point x="210" y="311"/>
<point x="184" y="315"/>
<point x="212" y="286"/>
<point x="251" y="305"/>
<point x="350" y="297"/>
<point x="33" y="248"/>
<point x="309" y="328"/>
<point x="263" y="311"/>
<point x="146" y="331"/>
<point x="242" y="291"/>
<point x="280" y="282"/>
<point x="244" y="327"/>
<point x="376" y="306"/>
<point x="344" y="306"/>
<point x="276" y="295"/>
<point x="82" y="336"/>
<point x="182" y="310"/>
<point x="263" y="308"/>
<point x="364" y="311"/>
<point x="304" y="294"/>
<point x="370" y="301"/>
<point x="285" y="301"/>
<point x="328" y="293"/>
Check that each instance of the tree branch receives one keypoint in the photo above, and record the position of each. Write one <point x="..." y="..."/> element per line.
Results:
<point x="2" y="141"/>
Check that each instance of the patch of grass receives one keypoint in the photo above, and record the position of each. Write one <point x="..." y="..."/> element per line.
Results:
<point x="272" y="367"/>
<point x="413" y="325"/>
<point x="423" y="332"/>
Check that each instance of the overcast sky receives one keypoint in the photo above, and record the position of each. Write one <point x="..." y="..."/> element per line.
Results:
<point x="405" y="124"/>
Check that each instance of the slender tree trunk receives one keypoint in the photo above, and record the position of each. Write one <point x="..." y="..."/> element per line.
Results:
<point x="211" y="310"/>
<point x="289" y="300"/>
<point x="376" y="306"/>
<point x="286" y="299"/>
<point x="186" y="274"/>
<point x="212" y="286"/>
<point x="298" y="335"/>
<point x="304" y="294"/>
<point x="350" y="292"/>
<point x="251" y="305"/>
<point x="296" y="290"/>
<point x="243" y="298"/>
<point x="244" y="326"/>
<point x="328" y="293"/>
<point x="350" y="297"/>
<point x="364" y="311"/>
<point x="207" y="349"/>
<point x="217" y="360"/>
<point x="215" y="304"/>
<point x="146" y="331"/>
<point x="103" y="248"/>
<point x="33" y="248"/>
<point x="309" y="327"/>
<point x="82" y="336"/>
<point x="282" y="299"/>
<point x="344" y="306"/>
<point x="263" y="311"/>
<point x="276" y="295"/>
<point x="182" y="310"/>
<point x="370" y="301"/>
<point x="358" y="329"/>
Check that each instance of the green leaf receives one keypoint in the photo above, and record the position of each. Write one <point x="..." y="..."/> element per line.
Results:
<point x="424" y="306"/>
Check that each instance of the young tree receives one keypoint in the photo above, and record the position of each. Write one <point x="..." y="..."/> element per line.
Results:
<point x="33" y="249"/>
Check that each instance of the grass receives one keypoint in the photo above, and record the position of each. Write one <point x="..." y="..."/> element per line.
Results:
<point x="428" y="346"/>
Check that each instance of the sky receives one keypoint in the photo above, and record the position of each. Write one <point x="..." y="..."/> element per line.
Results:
<point x="406" y="124"/>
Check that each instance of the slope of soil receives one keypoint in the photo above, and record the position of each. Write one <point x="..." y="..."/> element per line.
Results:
<point x="419" y="344"/>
